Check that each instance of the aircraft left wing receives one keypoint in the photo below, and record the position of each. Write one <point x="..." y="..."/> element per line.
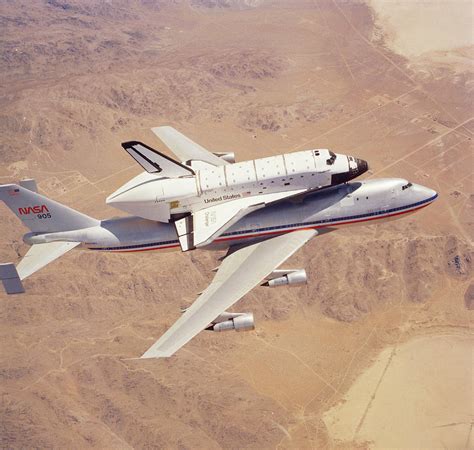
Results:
<point x="238" y="274"/>
<point x="186" y="149"/>
<point x="205" y="225"/>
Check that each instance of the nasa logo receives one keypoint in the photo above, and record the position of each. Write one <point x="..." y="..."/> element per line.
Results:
<point x="36" y="209"/>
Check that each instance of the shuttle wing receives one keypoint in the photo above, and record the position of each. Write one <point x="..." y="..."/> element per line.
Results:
<point x="184" y="148"/>
<point x="238" y="274"/>
<point x="205" y="225"/>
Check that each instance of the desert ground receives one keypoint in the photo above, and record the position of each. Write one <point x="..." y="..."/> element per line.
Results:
<point x="375" y="352"/>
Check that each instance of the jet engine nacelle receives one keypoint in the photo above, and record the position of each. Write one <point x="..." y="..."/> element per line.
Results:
<point x="226" y="156"/>
<point x="233" y="321"/>
<point x="290" y="278"/>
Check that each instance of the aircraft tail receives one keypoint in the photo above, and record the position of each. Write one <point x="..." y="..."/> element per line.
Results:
<point x="155" y="162"/>
<point x="41" y="214"/>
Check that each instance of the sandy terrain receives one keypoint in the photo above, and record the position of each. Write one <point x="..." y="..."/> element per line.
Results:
<point x="412" y="28"/>
<point x="398" y="403"/>
<point x="257" y="78"/>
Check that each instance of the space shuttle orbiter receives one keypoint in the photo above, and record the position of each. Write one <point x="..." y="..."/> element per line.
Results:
<point x="206" y="193"/>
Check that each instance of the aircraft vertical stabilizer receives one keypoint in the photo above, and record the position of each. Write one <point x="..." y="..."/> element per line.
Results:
<point x="41" y="214"/>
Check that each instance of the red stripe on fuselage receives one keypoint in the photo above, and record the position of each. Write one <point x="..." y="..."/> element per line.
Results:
<point x="314" y="227"/>
<point x="142" y="249"/>
<point x="268" y="233"/>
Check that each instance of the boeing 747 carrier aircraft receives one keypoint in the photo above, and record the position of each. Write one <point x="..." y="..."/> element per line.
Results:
<point x="257" y="242"/>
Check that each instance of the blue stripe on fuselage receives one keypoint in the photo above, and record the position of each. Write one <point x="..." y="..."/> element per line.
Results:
<point x="326" y="222"/>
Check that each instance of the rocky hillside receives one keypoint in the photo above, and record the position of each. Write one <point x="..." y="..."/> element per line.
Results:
<point x="257" y="78"/>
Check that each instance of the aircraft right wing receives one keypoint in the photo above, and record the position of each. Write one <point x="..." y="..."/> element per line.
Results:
<point x="186" y="149"/>
<point x="238" y="274"/>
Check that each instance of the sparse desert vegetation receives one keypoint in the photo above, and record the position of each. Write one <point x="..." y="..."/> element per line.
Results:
<point x="257" y="78"/>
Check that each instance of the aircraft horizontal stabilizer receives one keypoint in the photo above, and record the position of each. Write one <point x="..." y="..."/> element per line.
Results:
<point x="38" y="256"/>
<point x="29" y="184"/>
<point x="10" y="279"/>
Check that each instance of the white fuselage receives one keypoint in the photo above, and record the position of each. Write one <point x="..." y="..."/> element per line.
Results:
<point x="157" y="198"/>
<point x="328" y="209"/>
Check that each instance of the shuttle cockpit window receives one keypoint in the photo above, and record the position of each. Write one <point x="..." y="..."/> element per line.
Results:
<point x="331" y="160"/>
<point x="406" y="186"/>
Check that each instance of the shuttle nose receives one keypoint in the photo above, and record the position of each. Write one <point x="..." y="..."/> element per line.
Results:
<point x="362" y="166"/>
<point x="354" y="168"/>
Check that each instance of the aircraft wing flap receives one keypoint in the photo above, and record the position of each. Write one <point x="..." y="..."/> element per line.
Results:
<point x="184" y="148"/>
<point x="239" y="273"/>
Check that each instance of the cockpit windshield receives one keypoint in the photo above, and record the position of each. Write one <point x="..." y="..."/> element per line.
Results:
<point x="406" y="186"/>
<point x="331" y="160"/>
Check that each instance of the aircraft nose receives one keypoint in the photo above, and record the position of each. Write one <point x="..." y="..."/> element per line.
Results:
<point x="429" y="193"/>
<point x="424" y="193"/>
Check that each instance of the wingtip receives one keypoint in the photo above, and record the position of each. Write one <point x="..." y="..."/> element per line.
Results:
<point x="141" y="358"/>
<point x="155" y="354"/>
